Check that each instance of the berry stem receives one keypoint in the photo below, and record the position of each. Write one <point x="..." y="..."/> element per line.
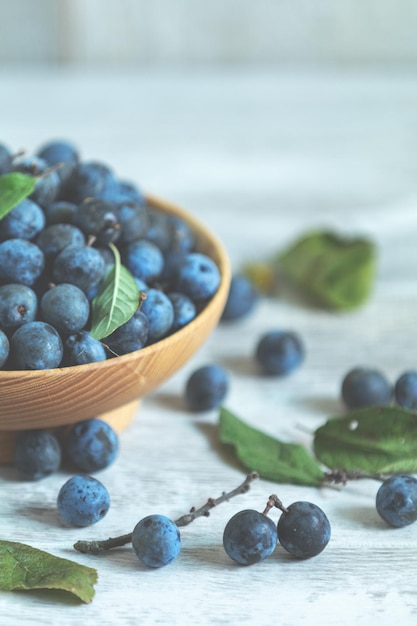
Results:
<point x="274" y="501"/>
<point x="96" y="547"/>
<point x="342" y="476"/>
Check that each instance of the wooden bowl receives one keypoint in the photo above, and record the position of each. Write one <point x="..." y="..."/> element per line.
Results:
<point x="109" y="389"/>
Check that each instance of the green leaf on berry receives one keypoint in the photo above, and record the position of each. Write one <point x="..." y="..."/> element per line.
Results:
<point x="24" y="567"/>
<point x="14" y="187"/>
<point x="373" y="440"/>
<point x="335" y="272"/>
<point x="272" y="459"/>
<point x="117" y="300"/>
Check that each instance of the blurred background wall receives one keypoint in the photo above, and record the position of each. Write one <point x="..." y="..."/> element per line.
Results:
<point x="219" y="31"/>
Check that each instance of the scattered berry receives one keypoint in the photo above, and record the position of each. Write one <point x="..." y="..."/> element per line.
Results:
<point x="206" y="388"/>
<point x="303" y="530"/>
<point x="279" y="352"/>
<point x="405" y="390"/>
<point x="396" y="500"/>
<point x="83" y="501"/>
<point x="37" y="454"/>
<point x="91" y="445"/>
<point x="249" y="537"/>
<point x="362" y="387"/>
<point x="156" y="540"/>
<point x="241" y="300"/>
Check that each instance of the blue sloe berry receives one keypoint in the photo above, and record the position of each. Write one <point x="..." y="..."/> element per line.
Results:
<point x="21" y="261"/>
<point x="91" y="445"/>
<point x="241" y="300"/>
<point x="197" y="276"/>
<point x="82" y="348"/>
<point x="83" y="500"/>
<point x="144" y="259"/>
<point x="25" y="221"/>
<point x="249" y="537"/>
<point x="396" y="500"/>
<point x="37" y="454"/>
<point x="36" y="346"/>
<point x="60" y="152"/>
<point x="363" y="386"/>
<point x="279" y="352"/>
<point x="130" y="336"/>
<point x="159" y="310"/>
<point x="206" y="387"/>
<point x="65" y="307"/>
<point x="304" y="530"/>
<point x="405" y="390"/>
<point x="18" y="305"/>
<point x="184" y="310"/>
<point x="82" y="266"/>
<point x="48" y="186"/>
<point x="156" y="540"/>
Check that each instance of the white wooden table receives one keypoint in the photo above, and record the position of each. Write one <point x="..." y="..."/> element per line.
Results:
<point x="259" y="156"/>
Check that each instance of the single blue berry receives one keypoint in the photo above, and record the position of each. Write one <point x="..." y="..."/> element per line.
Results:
<point x="144" y="259"/>
<point x="197" y="276"/>
<point x="278" y="353"/>
<point x="396" y="500"/>
<point x="25" y="221"/>
<point x="304" y="530"/>
<point x="82" y="266"/>
<point x="405" y="390"/>
<point x="36" y="346"/>
<point x="83" y="501"/>
<point x="21" y="261"/>
<point x="156" y="540"/>
<point x="37" y="454"/>
<point x="82" y="348"/>
<point x="62" y="153"/>
<point x="363" y="387"/>
<point x="130" y="336"/>
<point x="88" y="180"/>
<point x="241" y="300"/>
<point x="91" y="445"/>
<point x="207" y="387"/>
<point x="98" y="219"/>
<point x="184" y="310"/>
<point x="18" y="305"/>
<point x="159" y="310"/>
<point x="48" y="182"/>
<point x="249" y="537"/>
<point x="134" y="221"/>
<point x="65" y="307"/>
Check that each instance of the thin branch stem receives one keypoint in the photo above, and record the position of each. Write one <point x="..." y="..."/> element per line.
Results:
<point x="341" y="477"/>
<point x="96" y="547"/>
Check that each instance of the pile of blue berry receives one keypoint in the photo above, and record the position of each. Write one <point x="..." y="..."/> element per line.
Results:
<point x="55" y="255"/>
<point x="87" y="447"/>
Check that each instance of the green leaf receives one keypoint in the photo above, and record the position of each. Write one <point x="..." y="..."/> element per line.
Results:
<point x="271" y="458"/>
<point x="14" y="188"/>
<point x="117" y="300"/>
<point x="335" y="272"/>
<point x="24" y="567"/>
<point x="373" y="440"/>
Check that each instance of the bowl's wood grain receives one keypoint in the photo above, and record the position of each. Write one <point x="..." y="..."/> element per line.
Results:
<point x="63" y="396"/>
